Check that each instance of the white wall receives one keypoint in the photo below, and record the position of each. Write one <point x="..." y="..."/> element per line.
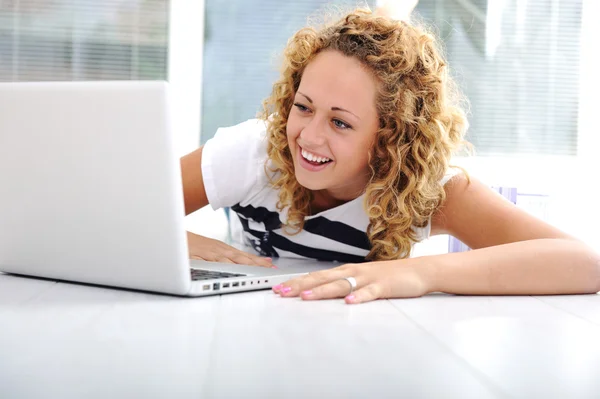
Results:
<point x="186" y="42"/>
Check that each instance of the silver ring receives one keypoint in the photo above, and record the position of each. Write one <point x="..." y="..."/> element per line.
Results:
<point x="352" y="282"/>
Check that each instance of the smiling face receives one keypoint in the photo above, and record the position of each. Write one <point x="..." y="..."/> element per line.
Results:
<point x="332" y="125"/>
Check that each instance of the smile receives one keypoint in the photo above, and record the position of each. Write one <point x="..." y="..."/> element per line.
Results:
<point x="312" y="162"/>
<point x="314" y="158"/>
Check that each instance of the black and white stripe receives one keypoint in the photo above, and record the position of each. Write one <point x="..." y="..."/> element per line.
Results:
<point x="268" y="238"/>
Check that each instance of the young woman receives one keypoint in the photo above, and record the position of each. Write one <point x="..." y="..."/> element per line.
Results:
<point x="350" y="162"/>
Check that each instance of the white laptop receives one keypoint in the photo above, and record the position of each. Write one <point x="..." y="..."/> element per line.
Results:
<point x="90" y="191"/>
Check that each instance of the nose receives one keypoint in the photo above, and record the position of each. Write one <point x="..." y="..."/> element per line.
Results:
<point x="313" y="134"/>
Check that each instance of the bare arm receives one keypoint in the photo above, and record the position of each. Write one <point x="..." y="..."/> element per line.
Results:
<point x="533" y="267"/>
<point x="194" y="193"/>
<point x="513" y="252"/>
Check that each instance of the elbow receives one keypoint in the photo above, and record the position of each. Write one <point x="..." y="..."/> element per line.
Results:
<point x="596" y="268"/>
<point x="585" y="263"/>
<point x="593" y="261"/>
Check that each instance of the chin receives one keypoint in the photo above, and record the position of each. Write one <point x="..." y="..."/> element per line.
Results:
<point x="309" y="183"/>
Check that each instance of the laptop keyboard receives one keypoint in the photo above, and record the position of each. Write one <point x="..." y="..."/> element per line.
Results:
<point x="201" y="274"/>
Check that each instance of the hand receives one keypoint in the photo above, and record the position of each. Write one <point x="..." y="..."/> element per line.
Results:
<point x="211" y="250"/>
<point x="406" y="278"/>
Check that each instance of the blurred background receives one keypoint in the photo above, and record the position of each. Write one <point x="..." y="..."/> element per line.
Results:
<point x="525" y="65"/>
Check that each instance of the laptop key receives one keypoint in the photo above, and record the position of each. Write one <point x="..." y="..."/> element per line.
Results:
<point x="201" y="274"/>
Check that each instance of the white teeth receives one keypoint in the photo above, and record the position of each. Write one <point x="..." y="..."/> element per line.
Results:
<point x="314" y="158"/>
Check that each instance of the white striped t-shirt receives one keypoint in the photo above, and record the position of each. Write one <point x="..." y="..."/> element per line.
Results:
<point x="234" y="176"/>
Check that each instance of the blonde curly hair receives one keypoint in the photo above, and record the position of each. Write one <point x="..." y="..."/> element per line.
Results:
<point x="421" y="125"/>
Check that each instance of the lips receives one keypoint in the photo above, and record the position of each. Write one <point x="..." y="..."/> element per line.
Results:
<point x="314" y="157"/>
<point x="311" y="166"/>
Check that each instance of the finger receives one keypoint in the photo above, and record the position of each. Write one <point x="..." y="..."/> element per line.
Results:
<point x="264" y="262"/>
<point x="222" y="259"/>
<point x="368" y="293"/>
<point x="239" y="257"/>
<point x="244" y="258"/>
<point x="307" y="282"/>
<point x="335" y="289"/>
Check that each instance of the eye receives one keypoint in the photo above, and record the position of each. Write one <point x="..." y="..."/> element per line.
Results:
<point x="341" y="124"/>
<point x="301" y="107"/>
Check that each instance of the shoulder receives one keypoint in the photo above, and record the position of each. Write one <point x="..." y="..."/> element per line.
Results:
<point x="233" y="162"/>
<point x="480" y="217"/>
<point x="423" y="233"/>
<point x="241" y="144"/>
<point x="250" y="134"/>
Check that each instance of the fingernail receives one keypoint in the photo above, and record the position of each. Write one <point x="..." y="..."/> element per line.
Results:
<point x="307" y="293"/>
<point x="277" y="287"/>
<point x="285" y="290"/>
<point x="269" y="259"/>
<point x="350" y="298"/>
<point x="274" y="267"/>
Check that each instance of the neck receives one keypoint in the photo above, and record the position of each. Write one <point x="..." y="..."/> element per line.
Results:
<point x="324" y="200"/>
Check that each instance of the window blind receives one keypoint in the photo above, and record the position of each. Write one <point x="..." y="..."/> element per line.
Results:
<point x="518" y="63"/>
<point x="243" y="43"/>
<point x="57" y="40"/>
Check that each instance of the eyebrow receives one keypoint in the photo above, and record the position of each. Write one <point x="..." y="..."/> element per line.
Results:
<point x="332" y="108"/>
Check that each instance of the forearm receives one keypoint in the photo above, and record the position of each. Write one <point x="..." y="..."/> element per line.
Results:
<point x="536" y="267"/>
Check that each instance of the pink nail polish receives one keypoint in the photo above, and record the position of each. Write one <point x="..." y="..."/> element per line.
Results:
<point x="274" y="267"/>
<point x="350" y="298"/>
<point x="276" y="287"/>
<point x="307" y="293"/>
<point x="285" y="290"/>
